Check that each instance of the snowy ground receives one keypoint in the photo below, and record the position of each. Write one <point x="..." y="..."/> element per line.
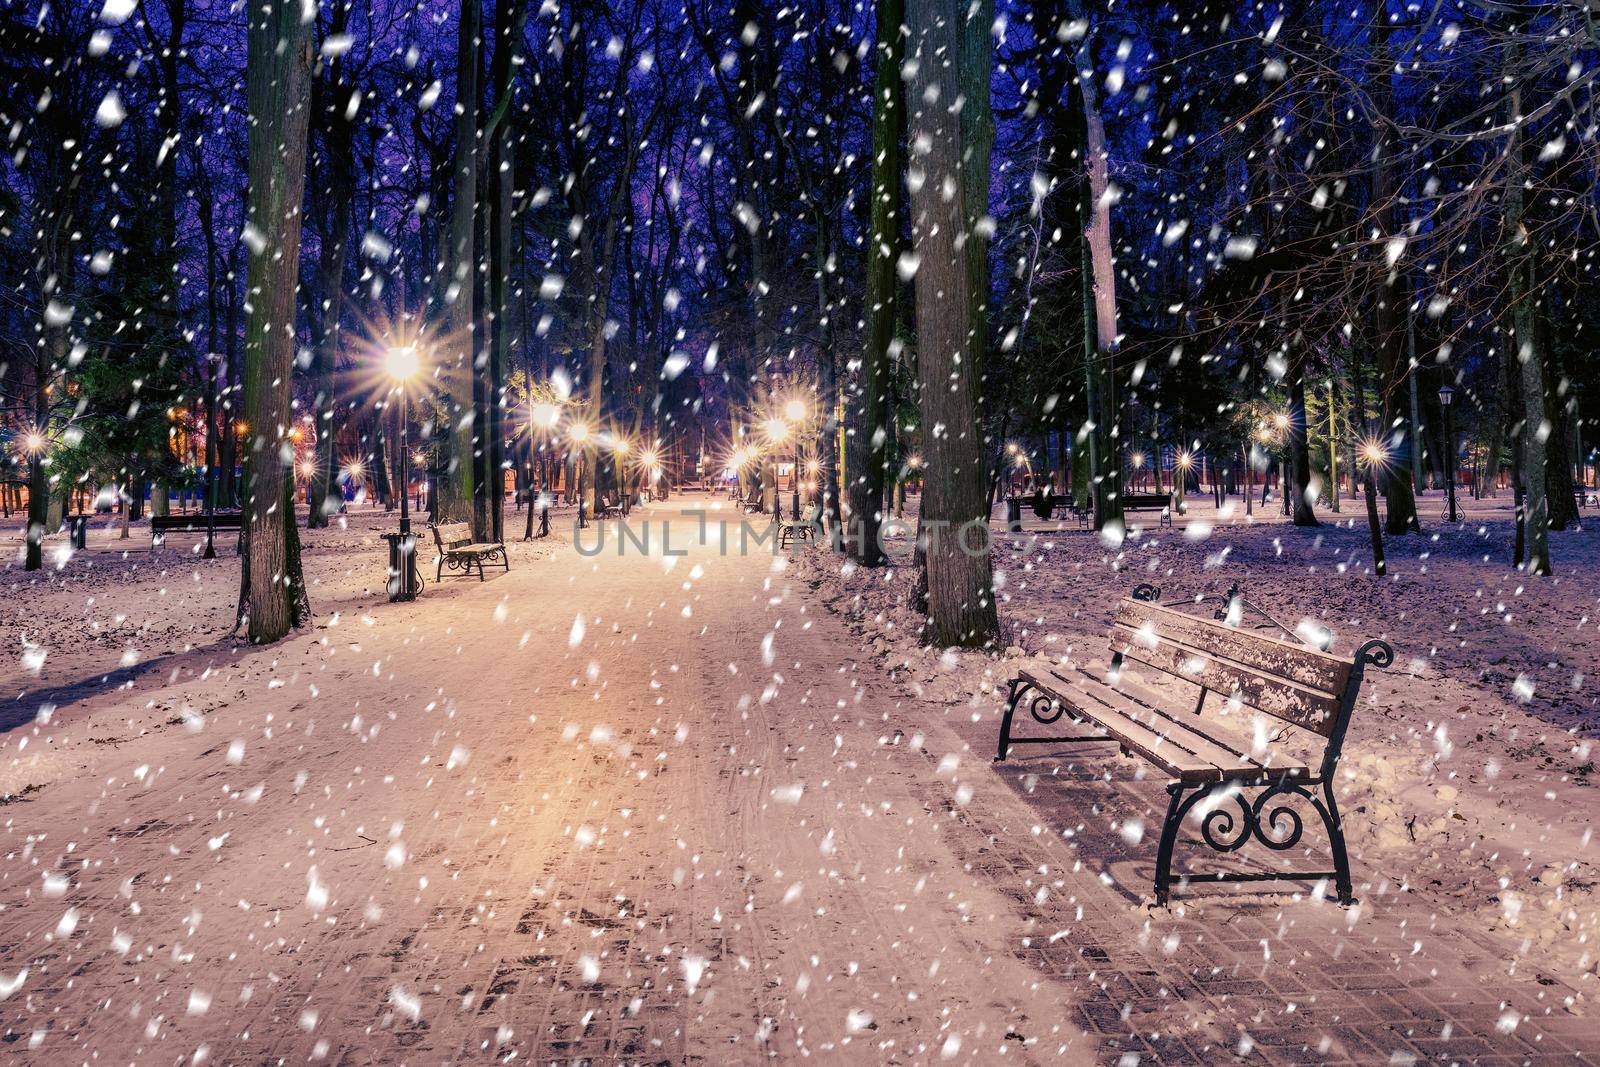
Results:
<point x="620" y="808"/>
<point x="1466" y="779"/>
<point x="649" y="807"/>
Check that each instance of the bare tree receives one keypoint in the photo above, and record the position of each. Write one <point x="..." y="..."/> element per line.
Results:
<point x="959" y="571"/>
<point x="272" y="595"/>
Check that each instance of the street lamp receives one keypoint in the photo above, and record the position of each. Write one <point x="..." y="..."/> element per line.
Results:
<point x="1180" y="491"/>
<point x="1374" y="455"/>
<point x="1447" y="393"/>
<point x="402" y="365"/>
<point x="577" y="434"/>
<point x="1280" y="421"/>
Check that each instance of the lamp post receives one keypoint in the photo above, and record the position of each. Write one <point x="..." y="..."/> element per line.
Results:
<point x="577" y="434"/>
<point x="403" y="365"/>
<point x="1280" y="422"/>
<point x="1374" y="455"/>
<point x="1446" y="395"/>
<point x="795" y="413"/>
<point x="1180" y="487"/>
<point x="778" y="433"/>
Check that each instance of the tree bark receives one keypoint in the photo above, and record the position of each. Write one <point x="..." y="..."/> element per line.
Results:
<point x="272" y="594"/>
<point x="338" y="196"/>
<point x="884" y="244"/>
<point x="1399" y="434"/>
<point x="959" y="575"/>
<point x="1101" y="280"/>
<point x="1529" y="361"/>
<point x="1299" y="440"/>
<point x="457" y="481"/>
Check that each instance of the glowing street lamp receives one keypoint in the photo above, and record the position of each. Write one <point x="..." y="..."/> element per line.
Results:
<point x="578" y="432"/>
<point x="795" y="410"/>
<point x="777" y="430"/>
<point x="402" y="363"/>
<point x="1375" y="456"/>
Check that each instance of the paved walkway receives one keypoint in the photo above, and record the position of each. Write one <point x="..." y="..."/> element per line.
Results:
<point x="649" y="808"/>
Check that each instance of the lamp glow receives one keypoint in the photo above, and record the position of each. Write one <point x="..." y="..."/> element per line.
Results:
<point x="794" y="410"/>
<point x="403" y="364"/>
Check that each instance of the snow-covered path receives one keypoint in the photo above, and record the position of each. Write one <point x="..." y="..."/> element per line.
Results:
<point x="630" y="807"/>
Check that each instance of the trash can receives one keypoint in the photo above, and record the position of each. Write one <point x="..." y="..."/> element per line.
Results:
<point x="403" y="583"/>
<point x="78" y="527"/>
<point x="1014" y="514"/>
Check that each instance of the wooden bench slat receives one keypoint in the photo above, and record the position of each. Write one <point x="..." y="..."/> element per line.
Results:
<point x="1276" y="696"/>
<point x="1170" y="756"/>
<point x="1308" y="666"/>
<point x="1172" y="745"/>
<point x="1227" y="736"/>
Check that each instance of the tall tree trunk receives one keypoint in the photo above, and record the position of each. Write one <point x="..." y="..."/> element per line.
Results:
<point x="1299" y="440"/>
<point x="227" y="420"/>
<point x="1101" y="279"/>
<point x="457" y="480"/>
<point x="1529" y="361"/>
<point x="337" y="193"/>
<point x="1390" y="303"/>
<point x="884" y="244"/>
<point x="508" y="25"/>
<point x="959" y="571"/>
<point x="1560" y="413"/>
<point x="272" y="593"/>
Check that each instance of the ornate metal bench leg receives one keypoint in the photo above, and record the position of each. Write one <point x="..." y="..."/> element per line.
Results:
<point x="1169" y="837"/>
<point x="1005" y="720"/>
<point x="1341" y="859"/>
<point x="438" y="572"/>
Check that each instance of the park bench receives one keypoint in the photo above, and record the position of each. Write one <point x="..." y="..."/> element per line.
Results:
<point x="161" y="525"/>
<point x="459" y="553"/>
<point x="793" y="531"/>
<point x="1046" y="505"/>
<point x="1247" y="764"/>
<point x="1149" y="502"/>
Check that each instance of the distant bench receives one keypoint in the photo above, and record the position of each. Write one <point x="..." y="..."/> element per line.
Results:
<point x="1212" y="760"/>
<point x="161" y="525"/>
<point x="459" y="553"/>
<point x="1149" y="502"/>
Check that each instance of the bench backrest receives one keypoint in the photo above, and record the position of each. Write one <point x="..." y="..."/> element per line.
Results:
<point x="451" y="534"/>
<point x="1291" y="682"/>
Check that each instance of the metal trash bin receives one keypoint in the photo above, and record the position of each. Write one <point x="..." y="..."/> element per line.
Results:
<point x="403" y="582"/>
<point x="1014" y="514"/>
<point x="78" y="527"/>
